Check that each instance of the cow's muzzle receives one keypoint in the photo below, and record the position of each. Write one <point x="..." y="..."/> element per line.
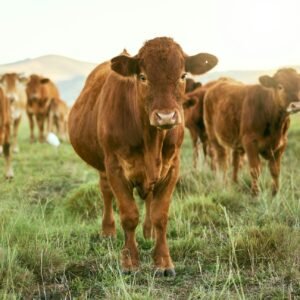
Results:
<point x="293" y="107"/>
<point x="165" y="119"/>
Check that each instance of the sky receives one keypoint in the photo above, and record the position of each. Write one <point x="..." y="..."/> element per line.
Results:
<point x="243" y="34"/>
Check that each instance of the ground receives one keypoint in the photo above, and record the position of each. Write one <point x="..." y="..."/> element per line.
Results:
<point x="224" y="243"/>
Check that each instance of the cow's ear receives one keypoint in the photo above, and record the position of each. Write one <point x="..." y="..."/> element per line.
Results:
<point x="267" y="81"/>
<point x="200" y="63"/>
<point x="125" y="65"/>
<point x="44" y="80"/>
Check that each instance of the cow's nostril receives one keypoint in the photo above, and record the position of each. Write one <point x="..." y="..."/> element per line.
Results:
<point x="163" y="116"/>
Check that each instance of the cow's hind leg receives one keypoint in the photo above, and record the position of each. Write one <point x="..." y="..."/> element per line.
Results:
<point x="108" y="222"/>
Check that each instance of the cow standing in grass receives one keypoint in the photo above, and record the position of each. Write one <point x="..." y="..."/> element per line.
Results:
<point x="5" y="133"/>
<point x="40" y="94"/>
<point x="58" y="118"/>
<point x="252" y="119"/>
<point x="128" y="123"/>
<point x="13" y="85"/>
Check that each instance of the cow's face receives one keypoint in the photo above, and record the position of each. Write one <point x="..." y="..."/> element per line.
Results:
<point x="11" y="83"/>
<point x="160" y="70"/>
<point x="286" y="82"/>
<point x="34" y="91"/>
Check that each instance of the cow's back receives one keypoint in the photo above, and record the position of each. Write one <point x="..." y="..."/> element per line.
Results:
<point x="82" y="122"/>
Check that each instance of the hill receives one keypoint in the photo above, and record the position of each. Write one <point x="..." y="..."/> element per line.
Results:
<point x="69" y="74"/>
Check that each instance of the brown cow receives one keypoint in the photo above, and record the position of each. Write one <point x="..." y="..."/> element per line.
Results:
<point x="58" y="118"/>
<point x="13" y="85"/>
<point x="128" y="124"/>
<point x="252" y="119"/>
<point x="40" y="93"/>
<point x="5" y="133"/>
<point x="193" y="115"/>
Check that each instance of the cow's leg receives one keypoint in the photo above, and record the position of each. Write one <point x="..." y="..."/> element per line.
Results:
<point x="274" y="166"/>
<point x="254" y="163"/>
<point x="31" y="126"/>
<point x="7" y="153"/>
<point x="40" y="121"/>
<point x="236" y="164"/>
<point x="148" y="229"/>
<point x="195" y="141"/>
<point x="159" y="217"/>
<point x="129" y="216"/>
<point x="15" y="135"/>
<point x="108" y="222"/>
<point x="221" y="154"/>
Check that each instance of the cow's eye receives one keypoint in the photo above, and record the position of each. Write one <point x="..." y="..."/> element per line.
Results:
<point x="142" y="77"/>
<point x="280" y="87"/>
<point x="183" y="76"/>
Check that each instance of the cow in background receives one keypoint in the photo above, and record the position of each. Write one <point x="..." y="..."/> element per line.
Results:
<point x="5" y="116"/>
<point x="128" y="123"/>
<point x="58" y="118"/>
<point x="252" y="119"/>
<point x="13" y="86"/>
<point x="40" y="94"/>
<point x="193" y="115"/>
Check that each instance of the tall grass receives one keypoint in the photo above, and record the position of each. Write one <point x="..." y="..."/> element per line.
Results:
<point x="224" y="243"/>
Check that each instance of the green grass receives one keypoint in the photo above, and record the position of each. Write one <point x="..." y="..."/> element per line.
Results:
<point x="224" y="243"/>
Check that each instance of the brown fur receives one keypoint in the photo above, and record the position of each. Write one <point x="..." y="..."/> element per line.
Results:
<point x="251" y="119"/>
<point x="40" y="93"/>
<point x="58" y="116"/>
<point x="128" y="124"/>
<point x="5" y="133"/>
<point x="194" y="121"/>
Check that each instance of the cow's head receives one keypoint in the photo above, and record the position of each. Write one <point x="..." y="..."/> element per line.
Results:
<point x="11" y="83"/>
<point x="35" y="94"/>
<point x="286" y="82"/>
<point x="34" y="87"/>
<point x="160" y="69"/>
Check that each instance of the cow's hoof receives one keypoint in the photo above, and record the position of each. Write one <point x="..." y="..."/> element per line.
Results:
<point x="165" y="273"/>
<point x="169" y="273"/>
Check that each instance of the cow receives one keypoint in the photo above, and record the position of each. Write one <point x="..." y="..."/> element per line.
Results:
<point x="40" y="93"/>
<point x="128" y="124"/>
<point x="193" y="115"/>
<point x="5" y="116"/>
<point x="58" y="118"/>
<point x="13" y="86"/>
<point x="252" y="119"/>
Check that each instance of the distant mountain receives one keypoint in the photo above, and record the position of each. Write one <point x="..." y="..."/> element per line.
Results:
<point x="70" y="74"/>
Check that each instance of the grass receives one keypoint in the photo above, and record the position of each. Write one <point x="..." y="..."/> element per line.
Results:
<point x="224" y="243"/>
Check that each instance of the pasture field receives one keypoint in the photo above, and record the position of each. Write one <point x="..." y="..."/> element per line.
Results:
<point x="224" y="243"/>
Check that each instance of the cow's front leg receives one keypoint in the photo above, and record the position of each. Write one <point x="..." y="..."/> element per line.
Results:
<point x="159" y="218"/>
<point x="274" y="167"/>
<point x="40" y="121"/>
<point x="148" y="229"/>
<point x="31" y="126"/>
<point x="129" y="216"/>
<point x="254" y="163"/>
